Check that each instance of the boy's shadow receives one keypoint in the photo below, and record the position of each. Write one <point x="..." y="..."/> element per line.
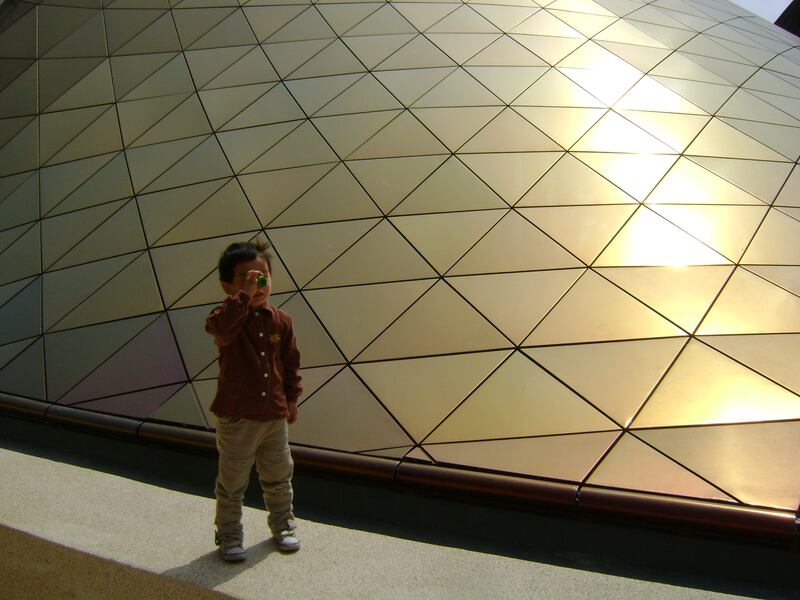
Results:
<point x="210" y="571"/>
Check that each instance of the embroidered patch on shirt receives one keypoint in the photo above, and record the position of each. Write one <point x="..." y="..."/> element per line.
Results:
<point x="275" y="338"/>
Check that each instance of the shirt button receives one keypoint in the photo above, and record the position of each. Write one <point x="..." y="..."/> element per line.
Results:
<point x="263" y="393"/>
<point x="256" y="313"/>
<point x="262" y="354"/>
<point x="266" y="374"/>
<point x="260" y="334"/>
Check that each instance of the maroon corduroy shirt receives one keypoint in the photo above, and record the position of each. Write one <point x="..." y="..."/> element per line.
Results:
<point x="259" y="364"/>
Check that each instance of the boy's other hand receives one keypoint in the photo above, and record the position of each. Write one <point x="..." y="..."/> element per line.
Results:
<point x="292" y="413"/>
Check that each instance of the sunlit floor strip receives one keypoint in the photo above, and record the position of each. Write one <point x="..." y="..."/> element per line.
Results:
<point x="165" y="532"/>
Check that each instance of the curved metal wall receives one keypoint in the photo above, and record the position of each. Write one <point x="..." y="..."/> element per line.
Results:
<point x="555" y="242"/>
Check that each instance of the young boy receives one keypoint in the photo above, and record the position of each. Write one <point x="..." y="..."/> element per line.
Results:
<point x="257" y="392"/>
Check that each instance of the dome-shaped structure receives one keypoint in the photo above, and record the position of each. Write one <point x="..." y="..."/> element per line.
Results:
<point x="546" y="245"/>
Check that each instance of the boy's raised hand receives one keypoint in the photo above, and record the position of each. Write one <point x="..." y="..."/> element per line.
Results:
<point x="250" y="286"/>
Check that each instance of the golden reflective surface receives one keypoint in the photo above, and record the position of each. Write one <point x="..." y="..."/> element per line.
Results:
<point x="567" y="457"/>
<point x="370" y="427"/>
<point x="452" y="187"/>
<point x="612" y="133"/>
<point x="733" y="312"/>
<point x="582" y="231"/>
<point x="515" y="302"/>
<point x="705" y="387"/>
<point x="681" y="294"/>
<point x="647" y="239"/>
<point x="616" y="377"/>
<point x="752" y="463"/>
<point x="426" y="398"/>
<point x="570" y="181"/>
<point x="557" y="239"/>
<point x="689" y="183"/>
<point x="635" y="174"/>
<point x="533" y="403"/>
<point x="726" y="229"/>
<point x="355" y="315"/>
<point x="596" y="310"/>
<point x="773" y="355"/>
<point x="632" y="464"/>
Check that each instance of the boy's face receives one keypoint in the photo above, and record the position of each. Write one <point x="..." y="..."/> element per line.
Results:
<point x="261" y="295"/>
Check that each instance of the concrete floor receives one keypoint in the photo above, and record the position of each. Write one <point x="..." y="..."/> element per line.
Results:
<point x="78" y="532"/>
<point x="161" y="531"/>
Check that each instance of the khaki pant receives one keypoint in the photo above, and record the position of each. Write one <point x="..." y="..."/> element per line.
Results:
<point x="242" y="442"/>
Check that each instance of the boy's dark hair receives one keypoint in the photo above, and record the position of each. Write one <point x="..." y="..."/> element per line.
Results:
<point x="239" y="252"/>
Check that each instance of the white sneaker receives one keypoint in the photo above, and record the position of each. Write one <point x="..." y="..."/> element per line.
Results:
<point x="287" y="541"/>
<point x="230" y="550"/>
<point x="233" y="553"/>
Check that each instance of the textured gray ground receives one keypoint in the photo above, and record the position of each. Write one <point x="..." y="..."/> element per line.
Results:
<point x="115" y="521"/>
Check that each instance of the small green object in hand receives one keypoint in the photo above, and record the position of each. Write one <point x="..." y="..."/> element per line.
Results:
<point x="262" y="281"/>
